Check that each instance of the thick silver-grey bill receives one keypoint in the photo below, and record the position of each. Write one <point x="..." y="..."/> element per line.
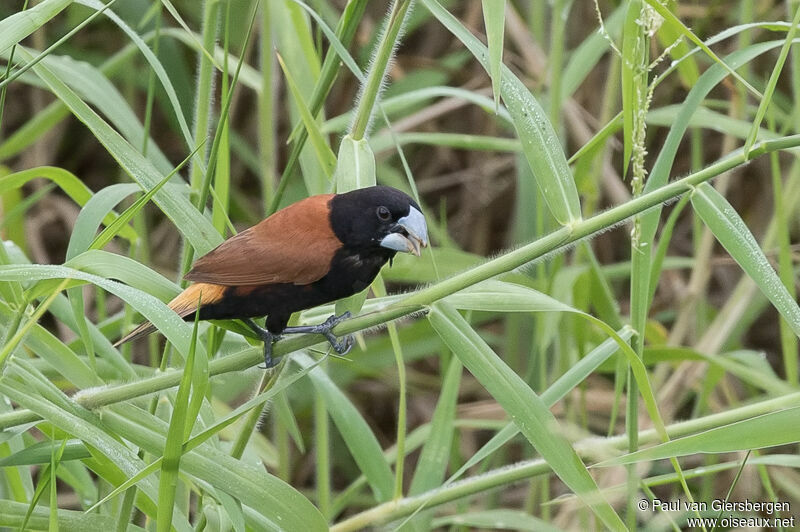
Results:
<point x="414" y="236"/>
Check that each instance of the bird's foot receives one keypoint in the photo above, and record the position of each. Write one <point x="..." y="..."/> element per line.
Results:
<point x="270" y="362"/>
<point x="341" y="346"/>
<point x="268" y="338"/>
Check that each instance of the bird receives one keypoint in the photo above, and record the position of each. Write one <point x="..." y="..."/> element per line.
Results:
<point x="318" y="250"/>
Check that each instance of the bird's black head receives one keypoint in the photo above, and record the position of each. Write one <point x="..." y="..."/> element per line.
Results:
<point x="378" y="217"/>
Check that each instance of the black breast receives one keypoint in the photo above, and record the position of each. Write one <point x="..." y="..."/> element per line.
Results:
<point x="353" y="271"/>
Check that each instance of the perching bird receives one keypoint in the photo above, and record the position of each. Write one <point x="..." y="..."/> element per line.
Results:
<point x="315" y="251"/>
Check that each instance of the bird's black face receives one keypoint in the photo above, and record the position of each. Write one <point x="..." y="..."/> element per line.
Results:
<point x="379" y="217"/>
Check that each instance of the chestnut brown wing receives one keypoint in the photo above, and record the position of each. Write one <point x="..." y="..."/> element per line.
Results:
<point x="294" y="245"/>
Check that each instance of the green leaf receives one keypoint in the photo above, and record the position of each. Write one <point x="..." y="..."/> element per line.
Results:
<point x="96" y="89"/>
<point x="584" y="58"/>
<point x="554" y="393"/>
<point x="168" y="323"/>
<point x="92" y="214"/>
<point x="527" y="409"/>
<point x="295" y="43"/>
<point x="66" y="181"/>
<point x="355" y="431"/>
<point x="196" y="228"/>
<point x="325" y="156"/>
<point x="201" y="437"/>
<point x="494" y="19"/>
<point x="435" y="455"/>
<point x="633" y="75"/>
<point x="496" y="519"/>
<point x="158" y="69"/>
<point x="180" y="425"/>
<point x="540" y="144"/>
<point x="680" y="27"/>
<point x="117" y="225"/>
<point x="16" y="27"/>
<point x="118" y="267"/>
<point x="355" y="166"/>
<point x="731" y="231"/>
<point x="82" y="424"/>
<point x="46" y="346"/>
<point x="499" y="296"/>
<point x="772" y="83"/>
<point x="767" y="430"/>
<point x="40" y="453"/>
<point x="281" y="505"/>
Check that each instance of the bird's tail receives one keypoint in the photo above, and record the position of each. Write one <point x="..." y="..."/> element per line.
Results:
<point x="184" y="304"/>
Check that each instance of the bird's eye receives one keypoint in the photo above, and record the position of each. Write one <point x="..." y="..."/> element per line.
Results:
<point x="383" y="213"/>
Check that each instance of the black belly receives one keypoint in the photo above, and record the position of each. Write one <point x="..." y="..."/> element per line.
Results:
<point x="349" y="274"/>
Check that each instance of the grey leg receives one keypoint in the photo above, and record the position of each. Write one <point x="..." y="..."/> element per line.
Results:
<point x="266" y="337"/>
<point x="340" y="346"/>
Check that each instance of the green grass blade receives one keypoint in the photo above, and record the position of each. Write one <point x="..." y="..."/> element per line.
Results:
<point x="435" y="455"/>
<point x="731" y="231"/>
<point x="295" y="43"/>
<point x="47" y="479"/>
<point x="40" y="453"/>
<point x="87" y="429"/>
<point x="122" y="220"/>
<point x="530" y="413"/>
<point x="409" y="101"/>
<point x="180" y="423"/>
<point x="118" y="267"/>
<point x="345" y="30"/>
<point x="634" y="52"/>
<point x="50" y="49"/>
<point x="66" y="181"/>
<point x="197" y="229"/>
<point x="170" y="324"/>
<point x="680" y="27"/>
<point x="663" y="244"/>
<point x="348" y="17"/>
<point x="494" y="20"/>
<point x="75" y="296"/>
<point x="16" y="27"/>
<point x="54" y="463"/>
<point x="98" y="208"/>
<point x="660" y="172"/>
<point x="195" y="441"/>
<point x="325" y="155"/>
<point x="554" y="393"/>
<point x="584" y="58"/>
<point x="767" y="430"/>
<point x="157" y="67"/>
<point x="772" y="83"/>
<point x="540" y="144"/>
<point x="63" y="359"/>
<point x="276" y="502"/>
<point x="12" y="343"/>
<point x="491" y="519"/>
<point x="355" y="431"/>
<point x="372" y="85"/>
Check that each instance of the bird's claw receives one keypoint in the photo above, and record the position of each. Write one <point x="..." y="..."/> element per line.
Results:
<point x="343" y="345"/>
